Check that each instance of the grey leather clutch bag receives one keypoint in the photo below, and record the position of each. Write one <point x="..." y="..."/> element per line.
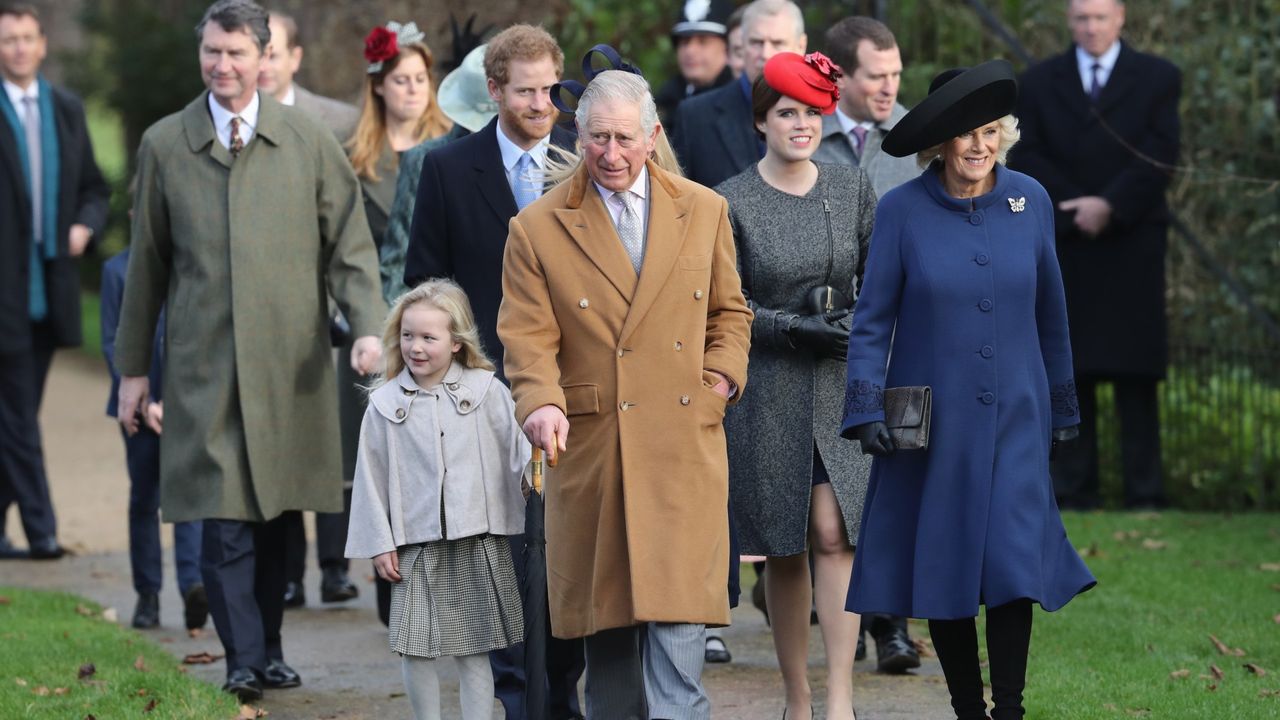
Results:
<point x="907" y="411"/>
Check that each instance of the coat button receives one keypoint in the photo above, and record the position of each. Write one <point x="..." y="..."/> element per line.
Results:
<point x="987" y="398"/>
<point x="982" y="259"/>
<point x="684" y="399"/>
<point x="988" y="351"/>
<point x="975" y="219"/>
<point x="620" y="351"/>
<point x="408" y="392"/>
<point x="697" y="294"/>
<point x="679" y="346"/>
<point x="584" y="304"/>
<point x="464" y="404"/>
<point x="399" y="413"/>
<point x="453" y="386"/>
<point x="985" y="305"/>
<point x="624" y="406"/>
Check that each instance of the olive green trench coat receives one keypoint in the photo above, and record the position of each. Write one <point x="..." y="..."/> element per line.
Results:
<point x="243" y="253"/>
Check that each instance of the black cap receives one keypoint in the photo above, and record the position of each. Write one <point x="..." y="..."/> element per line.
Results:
<point x="959" y="100"/>
<point x="703" y="17"/>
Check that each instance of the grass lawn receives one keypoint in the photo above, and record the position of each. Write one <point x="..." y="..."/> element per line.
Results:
<point x="49" y="638"/>
<point x="1166" y="583"/>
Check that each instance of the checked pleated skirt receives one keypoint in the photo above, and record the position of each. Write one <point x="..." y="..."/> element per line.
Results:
<point x="456" y="597"/>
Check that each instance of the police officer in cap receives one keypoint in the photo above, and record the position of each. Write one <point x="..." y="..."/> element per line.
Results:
<point x="702" y="51"/>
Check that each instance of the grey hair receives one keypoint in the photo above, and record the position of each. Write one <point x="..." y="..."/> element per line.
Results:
<point x="235" y="15"/>
<point x="769" y="8"/>
<point x="618" y="86"/>
<point x="1009" y="136"/>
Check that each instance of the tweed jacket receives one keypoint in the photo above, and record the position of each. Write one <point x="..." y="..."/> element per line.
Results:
<point x="241" y="254"/>
<point x="456" y="445"/>
<point x="786" y="246"/>
<point x="885" y="171"/>
<point x="636" y="524"/>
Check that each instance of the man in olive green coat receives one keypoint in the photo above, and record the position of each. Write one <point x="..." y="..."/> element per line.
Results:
<point x="246" y="213"/>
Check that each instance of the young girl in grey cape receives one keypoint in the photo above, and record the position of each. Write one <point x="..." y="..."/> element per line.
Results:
<point x="437" y="486"/>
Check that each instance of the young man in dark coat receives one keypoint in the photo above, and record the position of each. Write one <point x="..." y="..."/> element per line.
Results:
<point x="53" y="200"/>
<point x="1100" y="132"/>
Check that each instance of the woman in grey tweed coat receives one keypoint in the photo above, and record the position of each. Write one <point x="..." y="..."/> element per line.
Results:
<point x="793" y="481"/>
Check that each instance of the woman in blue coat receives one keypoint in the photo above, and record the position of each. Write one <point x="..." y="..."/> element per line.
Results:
<point x="962" y="293"/>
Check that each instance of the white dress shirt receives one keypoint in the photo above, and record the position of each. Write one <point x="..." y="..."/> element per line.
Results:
<point x="290" y="97"/>
<point x="16" y="94"/>
<point x="511" y="153"/>
<point x="222" y="121"/>
<point x="1106" y="61"/>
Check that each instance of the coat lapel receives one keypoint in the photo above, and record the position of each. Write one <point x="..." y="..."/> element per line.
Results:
<point x="668" y="221"/>
<point x="491" y="176"/>
<point x="197" y="126"/>
<point x="12" y="163"/>
<point x="1067" y="86"/>
<point x="587" y="221"/>
<point x="1120" y="84"/>
<point x="739" y="139"/>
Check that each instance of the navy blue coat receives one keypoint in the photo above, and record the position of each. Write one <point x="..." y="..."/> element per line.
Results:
<point x="112" y="296"/>
<point x="976" y="296"/>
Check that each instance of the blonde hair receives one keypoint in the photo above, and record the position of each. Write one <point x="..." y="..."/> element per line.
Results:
<point x="620" y="86"/>
<point x="370" y="136"/>
<point x="1009" y="136"/>
<point x="447" y="297"/>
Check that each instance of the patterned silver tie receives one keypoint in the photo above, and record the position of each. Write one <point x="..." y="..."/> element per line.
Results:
<point x="631" y="229"/>
<point x="31" y="127"/>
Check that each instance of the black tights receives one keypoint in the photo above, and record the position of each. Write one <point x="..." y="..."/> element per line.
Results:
<point x="1008" y="639"/>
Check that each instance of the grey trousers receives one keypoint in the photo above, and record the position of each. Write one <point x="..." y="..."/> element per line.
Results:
<point x="647" y="671"/>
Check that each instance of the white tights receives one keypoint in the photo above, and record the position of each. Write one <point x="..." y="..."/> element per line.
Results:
<point x="422" y="682"/>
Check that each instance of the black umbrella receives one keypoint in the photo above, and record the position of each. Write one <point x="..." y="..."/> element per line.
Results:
<point x="536" y="615"/>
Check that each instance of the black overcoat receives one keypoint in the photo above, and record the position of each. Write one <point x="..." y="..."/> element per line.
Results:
<point x="1121" y="149"/>
<point x="82" y="198"/>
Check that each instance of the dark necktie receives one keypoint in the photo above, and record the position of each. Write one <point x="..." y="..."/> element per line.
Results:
<point x="237" y="142"/>
<point x="1095" y="88"/>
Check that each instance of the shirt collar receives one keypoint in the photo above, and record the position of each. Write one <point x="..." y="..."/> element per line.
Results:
<point x="1107" y="59"/>
<point x="290" y="97"/>
<point x="222" y="116"/>
<point x="511" y="152"/>
<point x="16" y="94"/>
<point x="639" y="187"/>
<point x="847" y="124"/>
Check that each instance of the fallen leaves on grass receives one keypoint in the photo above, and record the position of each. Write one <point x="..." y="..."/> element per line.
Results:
<point x="41" y="690"/>
<point x="84" y="610"/>
<point x="140" y="664"/>
<point x="21" y="682"/>
<point x="87" y="670"/>
<point x="110" y="615"/>
<point x="1276" y="619"/>
<point x="249" y="712"/>
<point x="1255" y="669"/>
<point x="151" y="705"/>
<point x="1270" y="567"/>
<point x="61" y="691"/>
<point x="1137" y="712"/>
<point x="1149" y="544"/>
<point x="1122" y="535"/>
<point x="1269" y="693"/>
<point x="1180" y="674"/>
<point x="201" y="658"/>
<point x="1223" y="649"/>
<point x="1090" y="552"/>
<point x="923" y="647"/>
<point x="1217" y="672"/>
<point x="4" y="600"/>
<point x="142" y="692"/>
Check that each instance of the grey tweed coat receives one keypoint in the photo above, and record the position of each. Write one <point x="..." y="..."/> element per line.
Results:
<point x="795" y="401"/>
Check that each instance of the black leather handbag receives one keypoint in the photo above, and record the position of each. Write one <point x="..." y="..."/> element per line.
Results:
<point x="907" y="412"/>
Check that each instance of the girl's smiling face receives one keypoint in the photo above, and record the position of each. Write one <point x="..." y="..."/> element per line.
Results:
<point x="426" y="344"/>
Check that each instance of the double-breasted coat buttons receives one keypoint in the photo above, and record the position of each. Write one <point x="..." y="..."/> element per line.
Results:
<point x="584" y="304"/>
<point x="684" y="399"/>
<point x="697" y="294"/>
<point x="399" y="413"/>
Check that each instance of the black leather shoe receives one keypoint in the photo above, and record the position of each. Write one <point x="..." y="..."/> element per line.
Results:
<point x="9" y="552"/>
<point x="244" y="684"/>
<point x="146" y="614"/>
<point x="861" y="653"/>
<point x="195" y="607"/>
<point x="294" y="595"/>
<point x="895" y="654"/>
<point x="336" y="586"/>
<point x="278" y="675"/>
<point x="716" y="651"/>
<point x="46" y="550"/>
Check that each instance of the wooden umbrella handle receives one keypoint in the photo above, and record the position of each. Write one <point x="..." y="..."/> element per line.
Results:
<point x="536" y="480"/>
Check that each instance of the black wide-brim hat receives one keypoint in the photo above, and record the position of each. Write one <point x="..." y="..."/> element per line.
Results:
<point x="959" y="101"/>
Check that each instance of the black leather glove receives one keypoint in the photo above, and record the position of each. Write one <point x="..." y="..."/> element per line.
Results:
<point x="821" y="334"/>
<point x="874" y="438"/>
<point x="1062" y="437"/>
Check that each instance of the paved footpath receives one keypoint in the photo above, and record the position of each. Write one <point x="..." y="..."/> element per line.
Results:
<point x="341" y="650"/>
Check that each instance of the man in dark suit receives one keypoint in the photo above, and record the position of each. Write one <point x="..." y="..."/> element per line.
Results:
<point x="715" y="137"/>
<point x="468" y="191"/>
<point x="1100" y="132"/>
<point x="53" y="200"/>
<point x="280" y="62"/>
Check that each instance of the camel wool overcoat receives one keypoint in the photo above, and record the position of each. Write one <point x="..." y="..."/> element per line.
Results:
<point x="243" y="255"/>
<point x="635" y="510"/>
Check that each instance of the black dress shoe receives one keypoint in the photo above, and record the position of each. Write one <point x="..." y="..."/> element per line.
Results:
<point x="195" y="607"/>
<point x="861" y="652"/>
<point x="9" y="552"/>
<point x="716" y="651"/>
<point x="895" y="653"/>
<point x="146" y="614"/>
<point x="278" y="675"/>
<point x="46" y="550"/>
<point x="244" y="684"/>
<point x="335" y="586"/>
<point x="294" y="595"/>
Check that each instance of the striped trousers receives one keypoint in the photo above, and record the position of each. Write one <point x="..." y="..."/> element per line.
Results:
<point x="647" y="671"/>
